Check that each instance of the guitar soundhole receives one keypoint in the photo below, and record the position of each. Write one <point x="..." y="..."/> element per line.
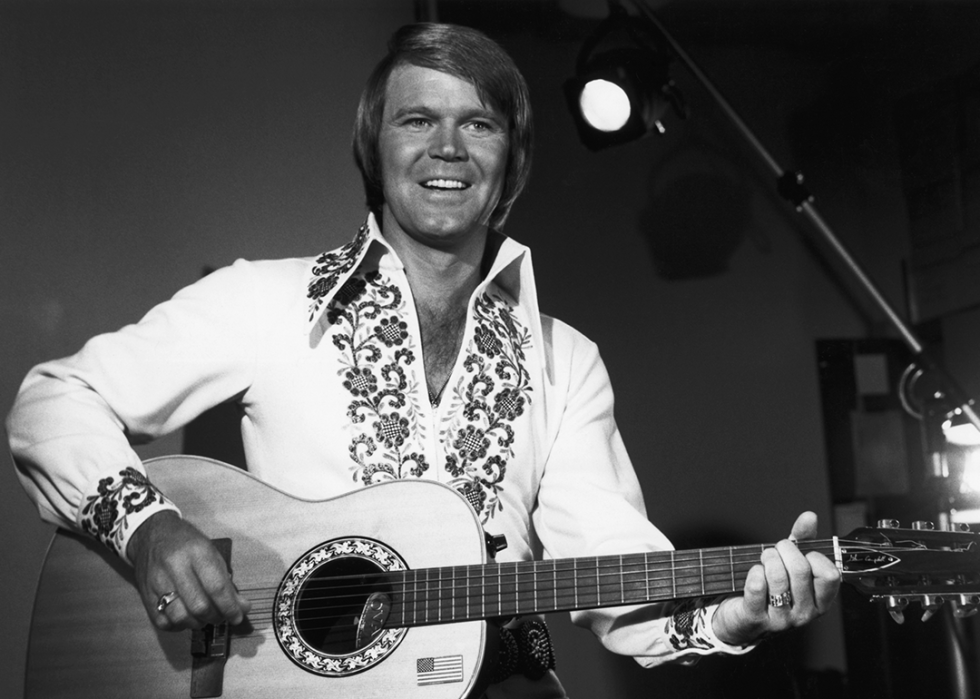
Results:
<point x="331" y="601"/>
<point x="320" y="602"/>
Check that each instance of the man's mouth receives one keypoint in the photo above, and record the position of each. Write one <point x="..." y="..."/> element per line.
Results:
<point x="445" y="184"/>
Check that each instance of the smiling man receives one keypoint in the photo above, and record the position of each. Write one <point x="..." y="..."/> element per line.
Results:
<point x="443" y="155"/>
<point x="416" y="351"/>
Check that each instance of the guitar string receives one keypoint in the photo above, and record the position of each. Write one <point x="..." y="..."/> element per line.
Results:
<point x="491" y="574"/>
<point x="446" y="594"/>
<point x="353" y="595"/>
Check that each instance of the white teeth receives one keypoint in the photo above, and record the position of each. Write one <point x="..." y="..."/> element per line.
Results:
<point x="445" y="184"/>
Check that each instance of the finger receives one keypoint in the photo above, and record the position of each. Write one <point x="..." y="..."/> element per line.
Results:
<point x="755" y="596"/>
<point x="805" y="527"/>
<point x="223" y="600"/>
<point x="159" y="593"/>
<point x="826" y="580"/>
<point x="777" y="577"/>
<point x="800" y="574"/>
<point x="175" y="617"/>
<point x="157" y="610"/>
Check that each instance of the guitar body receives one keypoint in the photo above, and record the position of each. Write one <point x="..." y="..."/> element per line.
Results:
<point x="91" y="636"/>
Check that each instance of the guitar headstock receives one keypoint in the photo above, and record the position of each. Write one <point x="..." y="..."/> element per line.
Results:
<point x="921" y="564"/>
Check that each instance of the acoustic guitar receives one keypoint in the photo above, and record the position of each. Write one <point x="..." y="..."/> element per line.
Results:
<point x="387" y="591"/>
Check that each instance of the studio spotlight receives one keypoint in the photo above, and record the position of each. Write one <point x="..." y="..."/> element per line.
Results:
<point x="622" y="88"/>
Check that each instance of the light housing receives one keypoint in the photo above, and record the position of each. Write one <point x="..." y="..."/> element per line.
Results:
<point x="622" y="88"/>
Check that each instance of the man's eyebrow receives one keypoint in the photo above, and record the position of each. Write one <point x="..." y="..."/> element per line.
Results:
<point x="476" y="112"/>
<point x="413" y="109"/>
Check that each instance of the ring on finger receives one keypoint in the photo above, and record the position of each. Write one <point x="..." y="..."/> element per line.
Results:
<point x="783" y="600"/>
<point x="165" y="600"/>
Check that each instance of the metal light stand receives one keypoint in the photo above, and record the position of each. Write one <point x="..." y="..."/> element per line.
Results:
<point x="790" y="186"/>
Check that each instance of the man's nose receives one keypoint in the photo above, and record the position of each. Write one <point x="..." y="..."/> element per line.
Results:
<point x="447" y="144"/>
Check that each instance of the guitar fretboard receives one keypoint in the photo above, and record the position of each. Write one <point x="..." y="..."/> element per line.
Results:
<point x="441" y="595"/>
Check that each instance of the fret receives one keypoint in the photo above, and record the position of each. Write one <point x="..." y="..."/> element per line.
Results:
<point x="701" y="569"/>
<point x="598" y="584"/>
<point x="622" y="582"/>
<point x="731" y="567"/>
<point x="634" y="580"/>
<point x="426" y="594"/>
<point x="461" y="609"/>
<point x="442" y="597"/>
<point x="500" y="608"/>
<point x="566" y="595"/>
<point x="534" y="582"/>
<point x="660" y="576"/>
<point x="719" y="570"/>
<point x="554" y="578"/>
<point x="491" y="592"/>
<point x="483" y="596"/>
<point x="415" y="595"/>
<point x="575" y="580"/>
<point x="586" y="584"/>
<point x="508" y="590"/>
<point x="452" y="593"/>
<point x="608" y="581"/>
<point x="544" y="586"/>
<point x="673" y="575"/>
<point x="688" y="581"/>
<point x="646" y="574"/>
<point x="405" y="597"/>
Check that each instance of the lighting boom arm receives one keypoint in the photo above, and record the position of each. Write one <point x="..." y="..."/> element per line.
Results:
<point x="790" y="186"/>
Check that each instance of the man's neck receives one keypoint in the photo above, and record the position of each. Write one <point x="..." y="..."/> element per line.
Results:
<point x="442" y="279"/>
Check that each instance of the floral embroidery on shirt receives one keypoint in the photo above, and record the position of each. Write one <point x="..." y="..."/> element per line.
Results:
<point x="686" y="627"/>
<point x="493" y="392"/>
<point x="105" y="514"/>
<point x="331" y="266"/>
<point x="389" y="413"/>
<point x="377" y="356"/>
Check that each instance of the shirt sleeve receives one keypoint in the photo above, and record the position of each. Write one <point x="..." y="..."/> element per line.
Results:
<point x="590" y="504"/>
<point x="74" y="420"/>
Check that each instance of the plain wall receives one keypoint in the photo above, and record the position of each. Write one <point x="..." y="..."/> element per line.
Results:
<point x="140" y="142"/>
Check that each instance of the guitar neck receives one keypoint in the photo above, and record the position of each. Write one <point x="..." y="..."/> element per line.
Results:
<point x="442" y="595"/>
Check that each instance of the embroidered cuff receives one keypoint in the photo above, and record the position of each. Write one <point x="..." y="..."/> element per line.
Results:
<point x="690" y="633"/>
<point x="121" y="504"/>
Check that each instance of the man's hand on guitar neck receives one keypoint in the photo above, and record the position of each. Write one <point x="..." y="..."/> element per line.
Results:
<point x="172" y="556"/>
<point x="786" y="590"/>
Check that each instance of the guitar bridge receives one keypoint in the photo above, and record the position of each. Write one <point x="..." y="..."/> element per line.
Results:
<point x="210" y="641"/>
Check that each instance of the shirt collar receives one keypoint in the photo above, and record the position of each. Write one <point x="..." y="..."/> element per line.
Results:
<point x="510" y="272"/>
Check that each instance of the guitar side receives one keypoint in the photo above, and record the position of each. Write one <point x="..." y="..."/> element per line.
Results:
<point x="90" y="635"/>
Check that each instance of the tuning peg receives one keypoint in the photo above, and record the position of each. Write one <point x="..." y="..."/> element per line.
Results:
<point x="931" y="604"/>
<point x="921" y="524"/>
<point x="888" y="524"/>
<point x="895" y="606"/>
<point x="966" y="605"/>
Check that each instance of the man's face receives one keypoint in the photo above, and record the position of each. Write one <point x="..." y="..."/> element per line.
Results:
<point x="443" y="157"/>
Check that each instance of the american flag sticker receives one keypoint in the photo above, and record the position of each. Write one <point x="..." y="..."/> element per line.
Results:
<point x="442" y="670"/>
